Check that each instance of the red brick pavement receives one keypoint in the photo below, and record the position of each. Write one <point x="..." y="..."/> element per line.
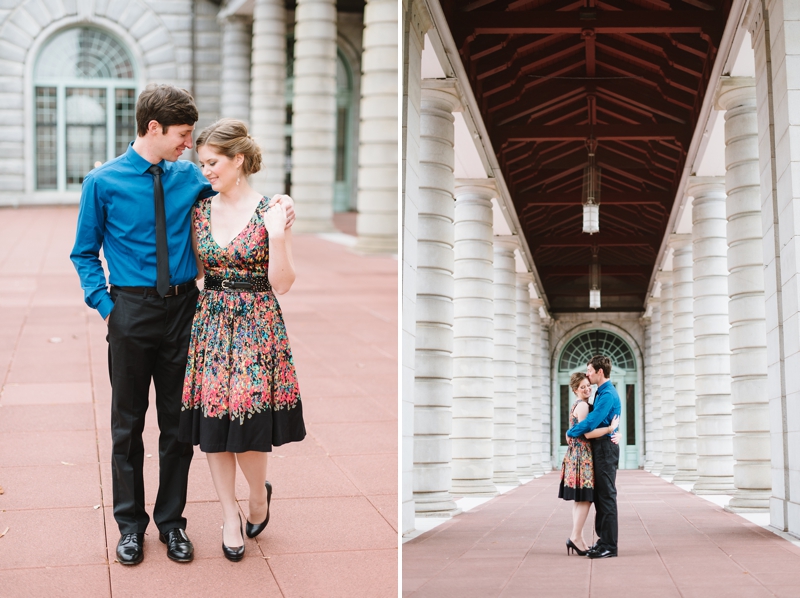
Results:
<point x="671" y="544"/>
<point x="333" y="529"/>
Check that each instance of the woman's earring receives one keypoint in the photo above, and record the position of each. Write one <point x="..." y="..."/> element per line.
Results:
<point x="237" y="176"/>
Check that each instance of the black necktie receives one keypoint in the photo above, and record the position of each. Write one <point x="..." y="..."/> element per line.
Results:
<point x="162" y="250"/>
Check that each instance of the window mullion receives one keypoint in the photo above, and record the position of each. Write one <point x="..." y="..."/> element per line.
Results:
<point x="61" y="138"/>
<point x="110" y="120"/>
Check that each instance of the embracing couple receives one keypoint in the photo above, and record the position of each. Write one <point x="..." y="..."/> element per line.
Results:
<point x="589" y="470"/>
<point x="219" y="358"/>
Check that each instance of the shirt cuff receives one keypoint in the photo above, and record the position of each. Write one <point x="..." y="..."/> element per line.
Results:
<point x="105" y="306"/>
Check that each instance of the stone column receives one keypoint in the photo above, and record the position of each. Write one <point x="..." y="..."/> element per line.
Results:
<point x="537" y="379"/>
<point x="473" y="347"/>
<point x="656" y="429"/>
<point x="748" y="333"/>
<point x="376" y="222"/>
<point x="648" y="392"/>
<point x="314" y="114"/>
<point x="505" y="362"/>
<point x="268" y="94"/>
<point x="683" y="341"/>
<point x="433" y="387"/>
<point x="776" y="60"/>
<point x="547" y="398"/>
<point x="667" y="378"/>
<point x="524" y="462"/>
<point x="712" y="347"/>
<point x="416" y="21"/>
<point x="237" y="38"/>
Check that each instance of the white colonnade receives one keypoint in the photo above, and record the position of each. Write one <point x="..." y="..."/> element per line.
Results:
<point x="473" y="346"/>
<point x="683" y="342"/>
<point x="712" y="347"/>
<point x="433" y="389"/>
<point x="314" y="114"/>
<point x="505" y="362"/>
<point x="376" y="222"/>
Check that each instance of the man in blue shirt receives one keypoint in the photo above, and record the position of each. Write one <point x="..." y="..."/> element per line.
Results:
<point x="606" y="456"/>
<point x="137" y="208"/>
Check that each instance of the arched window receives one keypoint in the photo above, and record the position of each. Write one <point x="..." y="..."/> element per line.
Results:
<point x="596" y="342"/>
<point x="85" y="105"/>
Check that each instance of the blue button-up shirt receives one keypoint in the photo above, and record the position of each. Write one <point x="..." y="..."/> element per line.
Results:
<point x="117" y="213"/>
<point x="606" y="406"/>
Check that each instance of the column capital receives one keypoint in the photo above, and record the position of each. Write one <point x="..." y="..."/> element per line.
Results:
<point x="677" y="241"/>
<point x="507" y="242"/>
<point x="442" y="90"/>
<point x="699" y="186"/>
<point x="735" y="91"/>
<point x="524" y="278"/>
<point x="485" y="188"/>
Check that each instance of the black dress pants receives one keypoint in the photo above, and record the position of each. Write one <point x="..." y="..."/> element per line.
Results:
<point x="606" y="461"/>
<point x="148" y="338"/>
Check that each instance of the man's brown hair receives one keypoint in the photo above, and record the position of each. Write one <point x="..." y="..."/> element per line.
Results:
<point x="601" y="362"/>
<point x="165" y="104"/>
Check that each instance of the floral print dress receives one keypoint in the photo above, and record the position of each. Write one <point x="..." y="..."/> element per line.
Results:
<point x="577" y="470"/>
<point x="240" y="392"/>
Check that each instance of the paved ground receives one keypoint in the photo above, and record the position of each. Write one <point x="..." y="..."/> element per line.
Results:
<point x="333" y="529"/>
<point x="672" y="544"/>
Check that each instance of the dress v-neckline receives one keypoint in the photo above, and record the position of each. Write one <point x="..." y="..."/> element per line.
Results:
<point x="239" y="234"/>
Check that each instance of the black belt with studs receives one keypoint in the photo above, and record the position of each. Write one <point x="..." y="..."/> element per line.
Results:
<point x="253" y="284"/>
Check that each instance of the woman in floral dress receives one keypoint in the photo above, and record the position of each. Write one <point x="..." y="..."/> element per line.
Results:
<point x="240" y="394"/>
<point x="577" y="470"/>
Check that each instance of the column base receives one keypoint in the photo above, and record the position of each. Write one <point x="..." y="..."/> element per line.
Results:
<point x="441" y="505"/>
<point x="749" y="501"/>
<point x="685" y="477"/>
<point x="721" y="485"/>
<point x="506" y="479"/>
<point x="473" y="488"/>
<point x="668" y="471"/>
<point x="376" y="245"/>
<point x="527" y="472"/>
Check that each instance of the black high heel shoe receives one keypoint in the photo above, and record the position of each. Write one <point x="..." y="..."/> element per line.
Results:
<point x="253" y="530"/>
<point x="234" y="554"/>
<point x="571" y="545"/>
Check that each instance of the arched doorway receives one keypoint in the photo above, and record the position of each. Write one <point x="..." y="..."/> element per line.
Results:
<point x="624" y="376"/>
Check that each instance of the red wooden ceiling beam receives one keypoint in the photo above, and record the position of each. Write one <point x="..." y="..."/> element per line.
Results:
<point x="600" y="239"/>
<point x="525" y="200"/>
<point x="530" y="22"/>
<point x="643" y="132"/>
<point x="564" y="271"/>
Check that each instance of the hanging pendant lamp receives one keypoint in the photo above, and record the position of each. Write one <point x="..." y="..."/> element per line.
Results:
<point x="594" y="280"/>
<point x="591" y="192"/>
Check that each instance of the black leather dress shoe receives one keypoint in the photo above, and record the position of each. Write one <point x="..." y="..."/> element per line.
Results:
<point x="179" y="547"/>
<point x="130" y="549"/>
<point x="594" y="547"/>
<point x="605" y="553"/>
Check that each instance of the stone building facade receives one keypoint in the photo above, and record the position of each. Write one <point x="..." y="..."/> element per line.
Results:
<point x="315" y="80"/>
<point x="708" y="376"/>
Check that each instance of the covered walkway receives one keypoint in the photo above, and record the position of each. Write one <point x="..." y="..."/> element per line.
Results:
<point x="333" y="528"/>
<point x="672" y="544"/>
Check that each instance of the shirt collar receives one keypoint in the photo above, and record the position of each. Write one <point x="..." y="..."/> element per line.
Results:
<point x="604" y="383"/>
<point x="140" y="164"/>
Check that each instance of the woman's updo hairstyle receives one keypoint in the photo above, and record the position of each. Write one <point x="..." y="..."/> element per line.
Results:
<point x="575" y="381"/>
<point x="229" y="137"/>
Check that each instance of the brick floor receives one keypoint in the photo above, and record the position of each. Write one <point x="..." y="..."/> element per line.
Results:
<point x="671" y="544"/>
<point x="333" y="528"/>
